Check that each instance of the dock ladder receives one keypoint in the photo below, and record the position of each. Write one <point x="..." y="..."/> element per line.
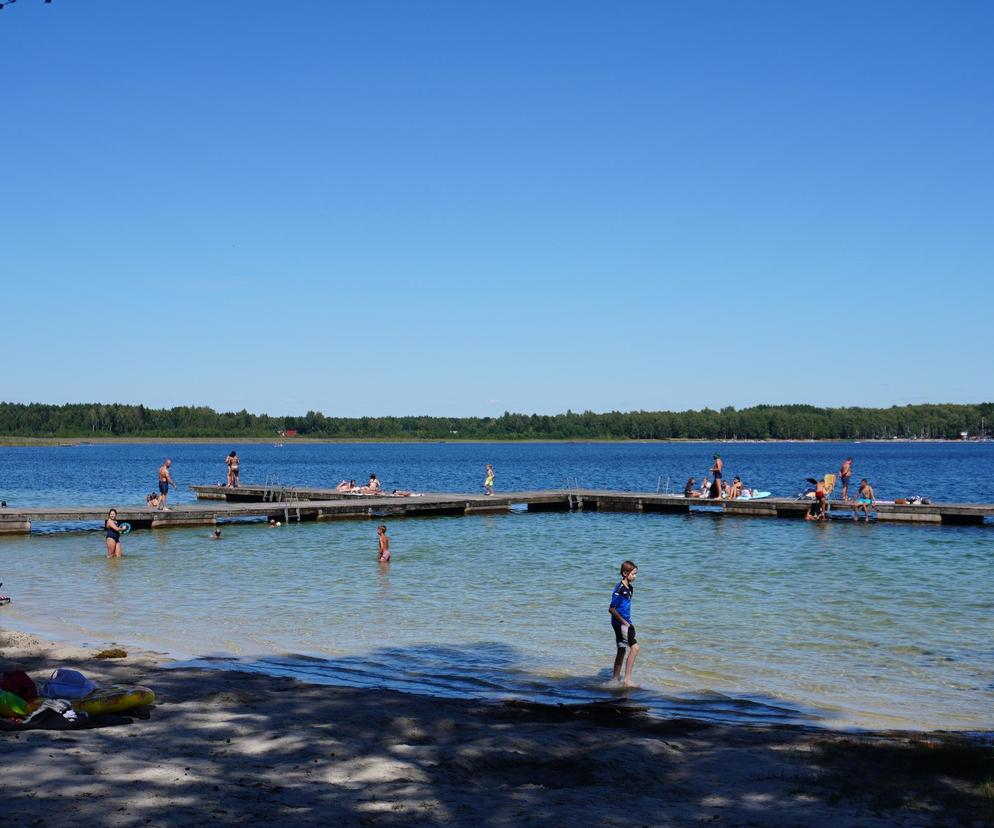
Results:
<point x="271" y="488"/>
<point x="572" y="494"/>
<point x="291" y="500"/>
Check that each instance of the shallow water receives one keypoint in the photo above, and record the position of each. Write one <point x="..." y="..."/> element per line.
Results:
<point x="839" y="624"/>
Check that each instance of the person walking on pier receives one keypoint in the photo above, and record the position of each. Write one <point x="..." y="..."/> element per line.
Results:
<point x="621" y="621"/>
<point x="488" y="483"/>
<point x="845" y="472"/>
<point x="232" y="462"/>
<point x="112" y="534"/>
<point x="165" y="481"/>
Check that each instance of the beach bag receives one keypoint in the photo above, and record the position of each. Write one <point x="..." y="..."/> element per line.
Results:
<point x="67" y="684"/>
<point x="19" y="683"/>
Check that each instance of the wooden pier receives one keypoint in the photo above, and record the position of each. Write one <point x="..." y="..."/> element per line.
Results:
<point x="294" y="504"/>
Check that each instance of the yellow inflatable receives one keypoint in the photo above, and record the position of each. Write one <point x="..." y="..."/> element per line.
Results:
<point x="114" y="699"/>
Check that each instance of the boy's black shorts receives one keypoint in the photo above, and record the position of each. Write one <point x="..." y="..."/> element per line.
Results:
<point x="624" y="635"/>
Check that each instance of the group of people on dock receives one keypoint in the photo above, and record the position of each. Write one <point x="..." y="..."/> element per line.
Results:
<point x="716" y="488"/>
<point x="372" y="487"/>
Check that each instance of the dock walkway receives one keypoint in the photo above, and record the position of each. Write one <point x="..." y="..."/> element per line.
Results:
<point x="287" y="504"/>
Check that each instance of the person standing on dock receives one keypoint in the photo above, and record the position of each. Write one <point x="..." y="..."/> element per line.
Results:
<point x="488" y="483"/>
<point x="716" y="468"/>
<point x="232" y="462"/>
<point x="165" y="481"/>
<point x="845" y="472"/>
<point x="621" y="621"/>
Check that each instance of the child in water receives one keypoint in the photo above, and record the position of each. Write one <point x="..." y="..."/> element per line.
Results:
<point x="621" y="621"/>
<point x="384" y="556"/>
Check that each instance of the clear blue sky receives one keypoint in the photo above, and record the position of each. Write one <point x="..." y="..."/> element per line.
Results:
<point x="461" y="208"/>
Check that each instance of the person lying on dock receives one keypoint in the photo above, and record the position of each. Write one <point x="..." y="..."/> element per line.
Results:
<point x="372" y="488"/>
<point x="345" y="486"/>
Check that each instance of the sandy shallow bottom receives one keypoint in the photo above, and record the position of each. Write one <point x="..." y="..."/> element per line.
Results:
<point x="222" y="747"/>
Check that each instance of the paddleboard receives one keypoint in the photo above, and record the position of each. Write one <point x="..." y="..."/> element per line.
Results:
<point x="754" y="496"/>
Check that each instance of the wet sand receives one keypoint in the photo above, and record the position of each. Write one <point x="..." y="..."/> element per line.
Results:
<point x="224" y="747"/>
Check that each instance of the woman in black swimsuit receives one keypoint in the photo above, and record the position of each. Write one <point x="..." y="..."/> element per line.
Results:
<point x="112" y="532"/>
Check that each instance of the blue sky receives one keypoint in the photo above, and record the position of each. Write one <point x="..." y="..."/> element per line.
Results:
<point x="464" y="208"/>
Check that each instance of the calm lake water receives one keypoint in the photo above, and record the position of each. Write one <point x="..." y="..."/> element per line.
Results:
<point x="839" y="625"/>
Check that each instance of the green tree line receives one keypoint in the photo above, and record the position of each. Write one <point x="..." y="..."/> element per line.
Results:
<point x="760" y="422"/>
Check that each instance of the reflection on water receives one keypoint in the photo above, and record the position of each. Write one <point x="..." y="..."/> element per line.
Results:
<point x="841" y="625"/>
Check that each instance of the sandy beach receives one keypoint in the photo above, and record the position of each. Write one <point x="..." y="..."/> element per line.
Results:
<point x="225" y="747"/>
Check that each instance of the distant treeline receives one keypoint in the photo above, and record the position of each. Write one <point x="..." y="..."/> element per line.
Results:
<point x="761" y="422"/>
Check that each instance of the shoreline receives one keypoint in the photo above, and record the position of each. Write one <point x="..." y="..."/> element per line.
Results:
<point x="228" y="746"/>
<point x="73" y="442"/>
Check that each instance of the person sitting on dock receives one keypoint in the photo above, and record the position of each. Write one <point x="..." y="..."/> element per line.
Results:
<point x="373" y="487"/>
<point x="705" y="487"/>
<point x="735" y="490"/>
<point x="152" y="500"/>
<point x="865" y="498"/>
<point x="689" y="490"/>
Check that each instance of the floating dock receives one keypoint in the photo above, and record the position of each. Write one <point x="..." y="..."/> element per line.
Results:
<point x="219" y="504"/>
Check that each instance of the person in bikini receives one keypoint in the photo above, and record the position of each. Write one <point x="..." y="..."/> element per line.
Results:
<point x="233" y="463"/>
<point x="716" y="474"/>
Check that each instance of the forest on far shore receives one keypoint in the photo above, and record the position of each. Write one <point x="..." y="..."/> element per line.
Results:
<point x="759" y="422"/>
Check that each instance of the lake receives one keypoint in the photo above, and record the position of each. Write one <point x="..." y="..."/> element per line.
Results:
<point x="838" y="625"/>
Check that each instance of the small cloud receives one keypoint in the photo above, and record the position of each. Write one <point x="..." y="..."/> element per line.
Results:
<point x="492" y="402"/>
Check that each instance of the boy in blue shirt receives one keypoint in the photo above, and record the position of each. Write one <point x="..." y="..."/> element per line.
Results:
<point x="621" y="620"/>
